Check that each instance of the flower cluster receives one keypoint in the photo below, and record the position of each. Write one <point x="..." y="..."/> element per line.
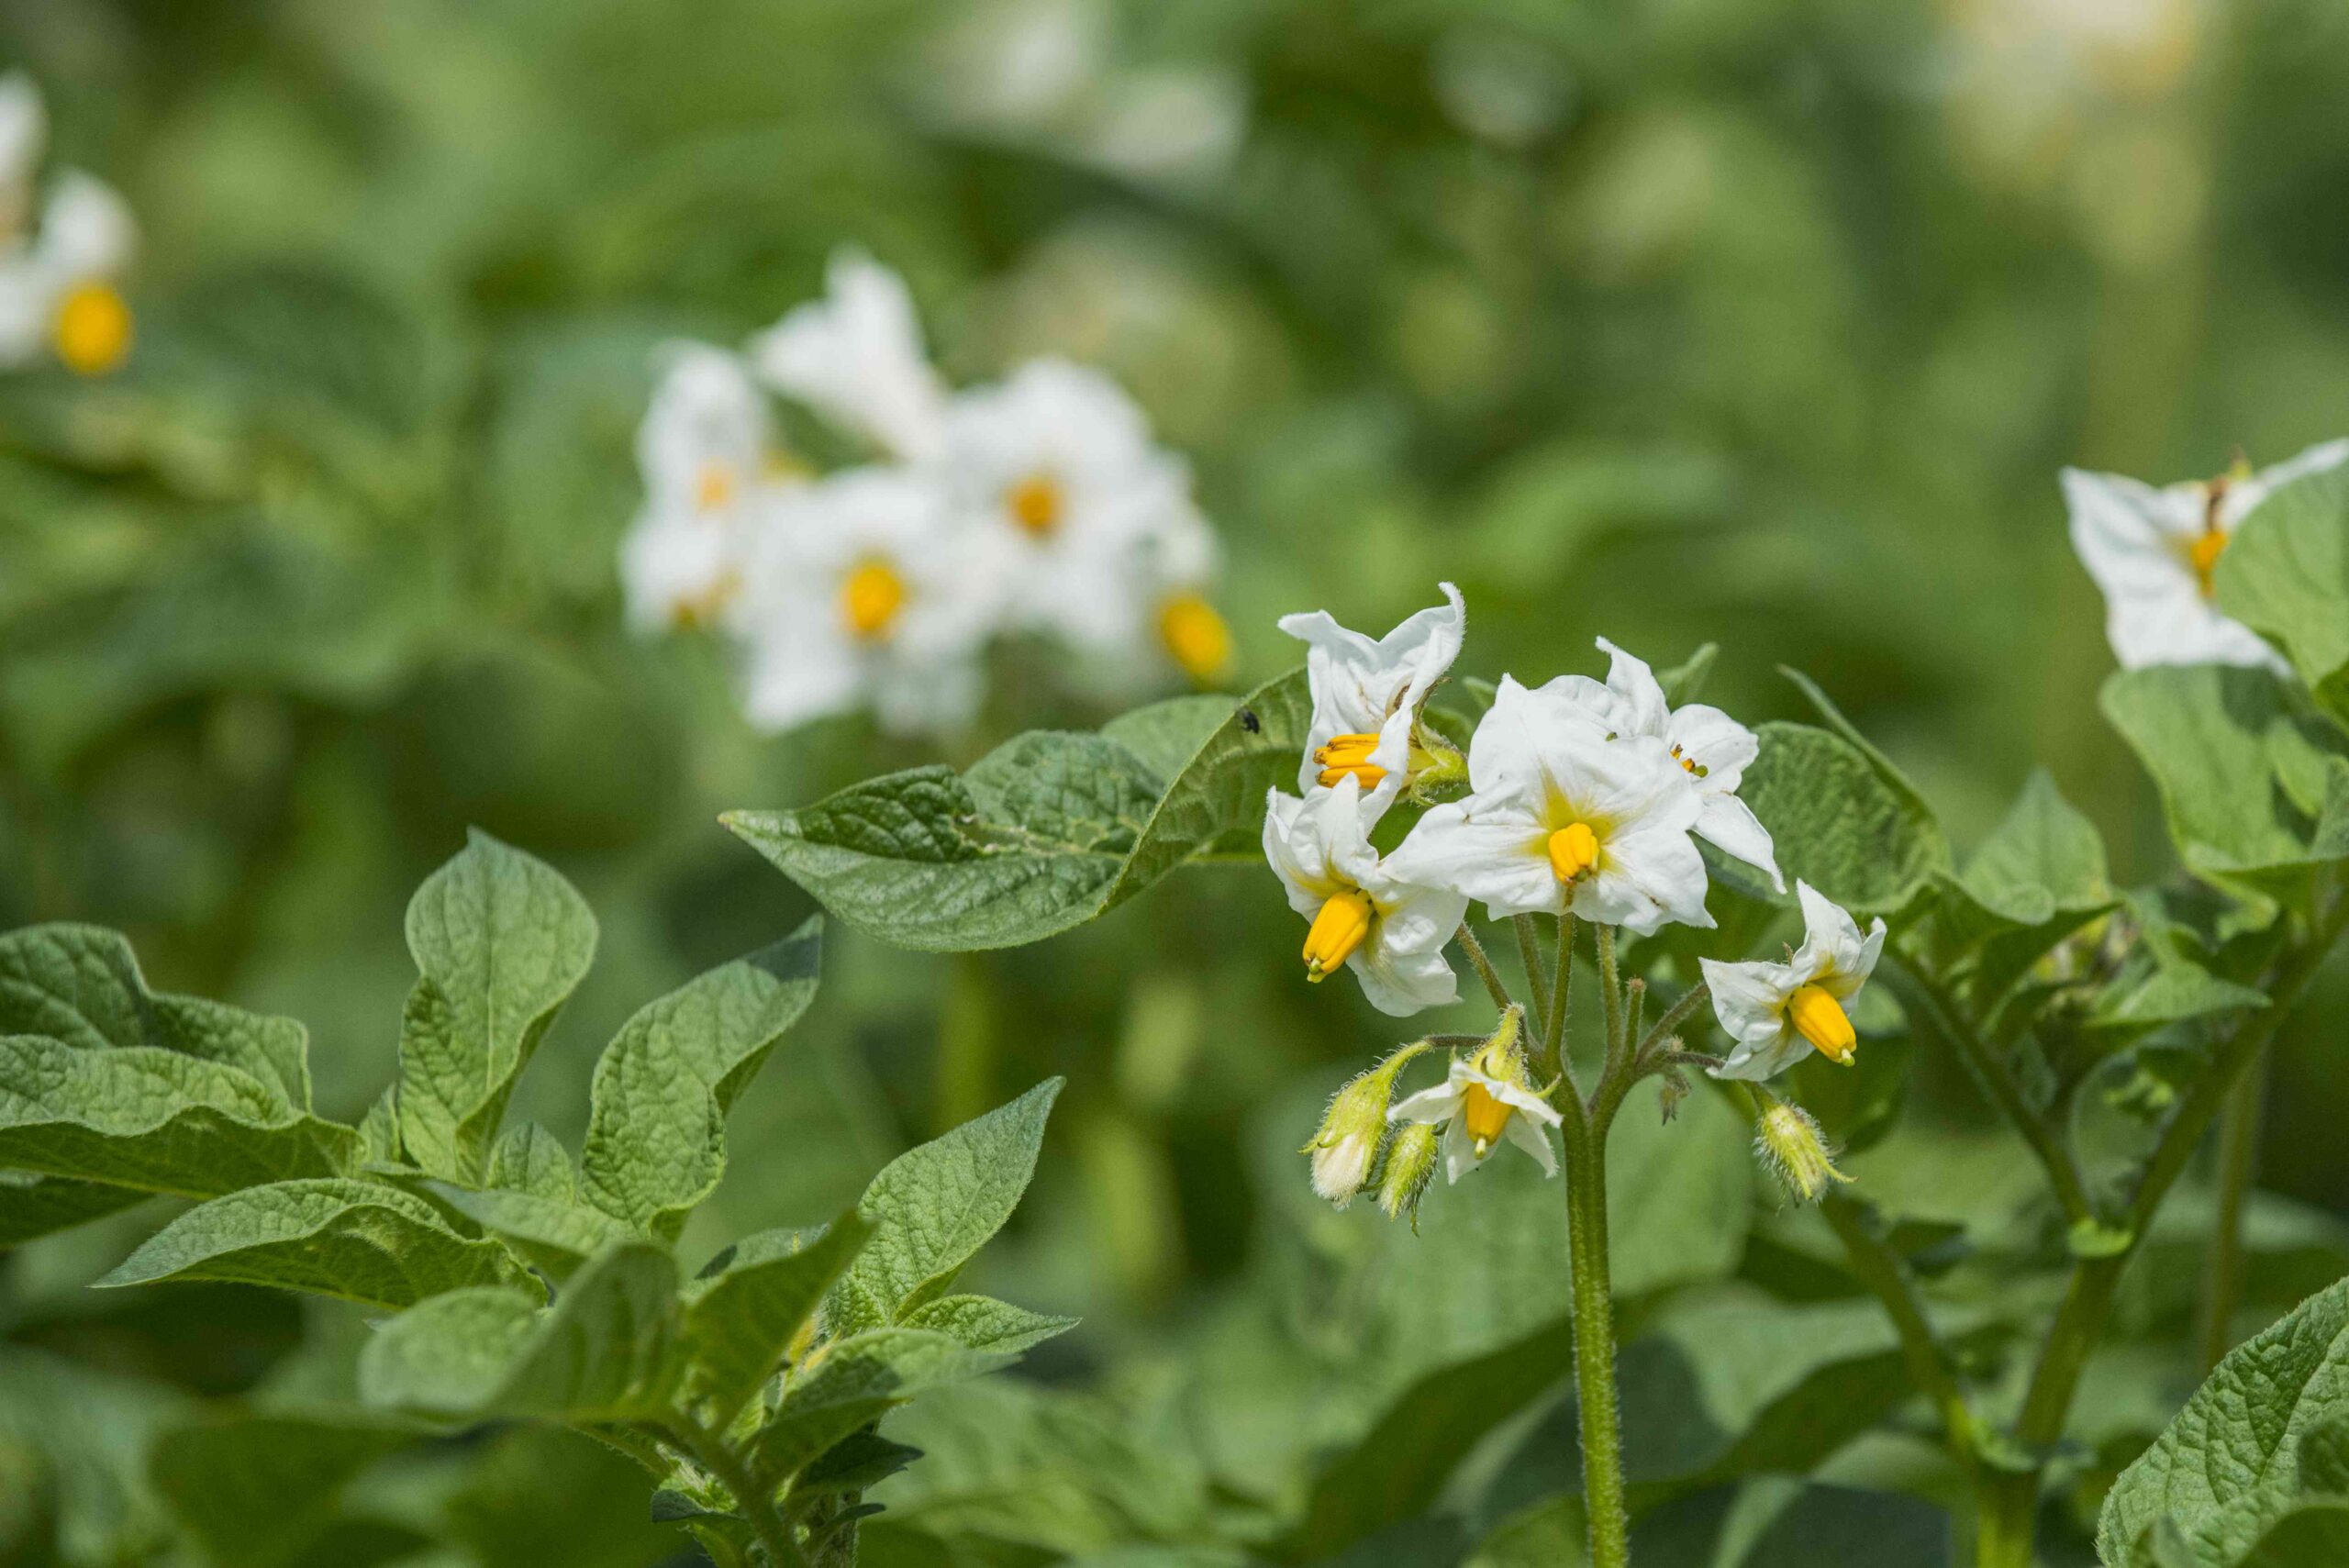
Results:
<point x="1581" y="800"/>
<point x="62" y="255"/>
<point x="2153" y="552"/>
<point x="1036" y="504"/>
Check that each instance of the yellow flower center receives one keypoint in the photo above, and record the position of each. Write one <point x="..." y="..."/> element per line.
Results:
<point x="1337" y="931"/>
<point x="2203" y="555"/>
<point x="1821" y="1019"/>
<point x="1484" y="1115"/>
<point x="871" y="597"/>
<point x="1347" y="755"/>
<point x="1035" y="503"/>
<point x="1196" y="636"/>
<point x="714" y="487"/>
<point x="1574" y="850"/>
<point x="93" y="328"/>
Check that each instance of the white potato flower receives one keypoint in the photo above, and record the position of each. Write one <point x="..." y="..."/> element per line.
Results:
<point x="1562" y="819"/>
<point x="857" y="356"/>
<point x="706" y="450"/>
<point x="1776" y="1012"/>
<point x="1478" y="1110"/>
<point x="1366" y="696"/>
<point x="2153" y="552"/>
<point x="860" y="589"/>
<point x="1711" y="748"/>
<point x="1391" y="933"/>
<point x="59" y="289"/>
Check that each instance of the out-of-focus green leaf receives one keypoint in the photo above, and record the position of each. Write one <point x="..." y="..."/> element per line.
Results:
<point x="986" y="1324"/>
<point x="2043" y="859"/>
<point x="555" y="1236"/>
<point x="860" y="1379"/>
<point x="1837" y="823"/>
<point x="357" y="1240"/>
<point x="33" y="1206"/>
<point x="2285" y="574"/>
<point x="740" y="1323"/>
<point x="499" y="939"/>
<point x="259" y="1488"/>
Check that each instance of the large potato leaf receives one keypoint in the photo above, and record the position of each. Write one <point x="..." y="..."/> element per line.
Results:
<point x="1840" y="820"/>
<point x="740" y="1322"/>
<point x="860" y="1379"/>
<point x="2285" y="574"/>
<point x="1044" y="833"/>
<point x="257" y="1489"/>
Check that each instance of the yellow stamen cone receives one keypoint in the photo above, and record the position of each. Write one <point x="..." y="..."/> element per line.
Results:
<point x="1347" y="755"/>
<point x="92" y="330"/>
<point x="1821" y="1019"/>
<point x="1196" y="637"/>
<point x="1574" y="850"/>
<point x="1484" y="1115"/>
<point x="2204" y="552"/>
<point x="1035" y="503"/>
<point x="1337" y="931"/>
<point x="871" y="597"/>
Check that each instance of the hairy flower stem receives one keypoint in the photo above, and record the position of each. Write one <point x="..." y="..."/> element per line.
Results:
<point x="1553" y="1039"/>
<point x="1610" y="991"/>
<point x="1528" y="952"/>
<point x="2238" y="1168"/>
<point x="1601" y="1419"/>
<point x="1485" y="970"/>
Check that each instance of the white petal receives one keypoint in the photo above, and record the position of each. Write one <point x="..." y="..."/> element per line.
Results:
<point x="1362" y="687"/>
<point x="1831" y="942"/>
<point x="795" y="678"/>
<point x="1458" y="1152"/>
<point x="1852" y="968"/>
<point x="1524" y="1101"/>
<point x="24" y="130"/>
<point x="1645" y="879"/>
<point x="1715" y="742"/>
<point x="1592" y="697"/>
<point x="85" y="228"/>
<point x="1528" y="1136"/>
<point x="1636" y="690"/>
<point x="1414" y="919"/>
<point x="1763" y="1056"/>
<point x="1749" y="998"/>
<point x="1499" y="859"/>
<point x="856" y="356"/>
<point x="1431" y="1104"/>
<point x="1293" y="848"/>
<point x="1730" y="826"/>
<point x="1401" y="983"/>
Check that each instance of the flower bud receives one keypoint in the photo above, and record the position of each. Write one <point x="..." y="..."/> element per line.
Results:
<point x="1410" y="1165"/>
<point x="1787" y="1140"/>
<point x="1343" y="1149"/>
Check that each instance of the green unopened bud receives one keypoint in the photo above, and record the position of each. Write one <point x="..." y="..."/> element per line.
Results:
<point x="1347" y="1141"/>
<point x="1788" y="1142"/>
<point x="1502" y="1056"/>
<point x="1439" y="772"/>
<point x="1410" y="1165"/>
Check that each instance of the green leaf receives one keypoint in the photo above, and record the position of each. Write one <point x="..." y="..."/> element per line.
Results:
<point x="1166" y="735"/>
<point x="934" y="1206"/>
<point x="1838" y="822"/>
<point x="740" y="1322"/>
<point x="334" y="1236"/>
<point x="860" y="1379"/>
<point x="856" y="1462"/>
<point x="556" y="1236"/>
<point x="606" y="1350"/>
<point x="656" y="1130"/>
<point x="154" y="1119"/>
<point x="2313" y="1535"/>
<point x="1043" y="834"/>
<point x="986" y="1324"/>
<point x="2285" y="574"/>
<point x="34" y="1206"/>
<point x="2212" y="736"/>
<point x="2229" y="1465"/>
<point x="256" y="1489"/>
<point x="499" y="939"/>
<point x="2043" y="859"/>
<point x="529" y="1159"/>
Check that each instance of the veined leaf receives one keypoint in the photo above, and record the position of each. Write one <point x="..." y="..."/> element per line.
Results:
<point x="1838" y="820"/>
<point x="739" y="1322"/>
<point x="984" y="1323"/>
<point x="858" y="1381"/>
<point x="1042" y="835"/>
<point x="606" y="1350"/>
<point x="934" y="1206"/>
<point x="499" y="939"/>
<point x="2285" y="574"/>
<point x="529" y="1159"/>
<point x="34" y="1206"/>
<point x="257" y="1489"/>
<point x="358" y="1241"/>
<point x="556" y="1236"/>
<point x="154" y="1118"/>
<point x="2042" y="860"/>
<point x="656" y="1132"/>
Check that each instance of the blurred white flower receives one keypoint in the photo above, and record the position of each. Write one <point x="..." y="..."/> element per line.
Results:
<point x="857" y="356"/>
<point x="1776" y="1012"/>
<point x="861" y="590"/>
<point x="1711" y="748"/>
<point x="706" y="450"/>
<point x="60" y="283"/>
<point x="1391" y="933"/>
<point x="2153" y="552"/>
<point x="1479" y="1109"/>
<point x="1560" y="819"/>
<point x="1366" y="696"/>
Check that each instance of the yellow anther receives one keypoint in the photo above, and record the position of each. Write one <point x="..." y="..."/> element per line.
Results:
<point x="1337" y="931"/>
<point x="1821" y="1019"/>
<point x="1346" y="754"/>
<point x="2204" y="553"/>
<point x="1484" y="1115"/>
<point x="93" y="328"/>
<point x="871" y="597"/>
<point x="1196" y="637"/>
<point x="1035" y="503"/>
<point x="1574" y="850"/>
<point x="714" y="487"/>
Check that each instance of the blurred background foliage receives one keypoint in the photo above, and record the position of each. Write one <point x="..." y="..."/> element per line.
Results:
<point x="1762" y="321"/>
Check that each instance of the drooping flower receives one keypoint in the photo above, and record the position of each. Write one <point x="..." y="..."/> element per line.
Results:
<point x="1346" y="1143"/>
<point x="857" y="356"/>
<point x="2153" y="552"/>
<point x="1367" y="696"/>
<point x="706" y="450"/>
<point x="1391" y="933"/>
<point x="1711" y="748"/>
<point x="860" y="589"/>
<point x="60" y="283"/>
<point x="1776" y="1012"/>
<point x="1560" y="819"/>
<point x="1482" y="1100"/>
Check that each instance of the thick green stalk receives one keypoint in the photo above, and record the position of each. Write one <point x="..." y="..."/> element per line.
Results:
<point x="1603" y="1428"/>
<point x="2238" y="1166"/>
<point x="766" y="1522"/>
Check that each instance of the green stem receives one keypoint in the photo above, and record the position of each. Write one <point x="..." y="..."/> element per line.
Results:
<point x="1674" y="1016"/>
<point x="1528" y="952"/>
<point x="1885" y="1272"/>
<point x="1553" y="1040"/>
<point x="1610" y="991"/>
<point x="1602" y="1434"/>
<point x="1485" y="970"/>
<point x="767" y="1524"/>
<point x="2238" y="1168"/>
